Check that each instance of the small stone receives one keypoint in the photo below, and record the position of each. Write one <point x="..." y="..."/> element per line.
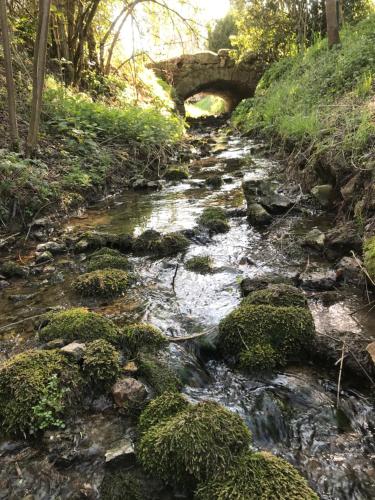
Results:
<point x="371" y="350"/>
<point x="121" y="454"/>
<point x="43" y="257"/>
<point x="314" y="239"/>
<point x="323" y="194"/>
<point x="51" y="246"/>
<point x="257" y="215"/>
<point x="4" y="284"/>
<point x="75" y="349"/>
<point x="128" y="392"/>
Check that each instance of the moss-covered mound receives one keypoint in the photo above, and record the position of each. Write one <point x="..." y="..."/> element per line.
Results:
<point x="257" y="476"/>
<point x="369" y="257"/>
<point x="35" y="389"/>
<point x="106" y="251"/>
<point x="260" y="357"/>
<point x="158" y="375"/>
<point x="79" y="324"/>
<point x="177" y="173"/>
<point x="193" y="445"/>
<point x="278" y="296"/>
<point x="262" y="329"/>
<point x="214" y="219"/>
<point x="101" y="364"/>
<point x="106" y="261"/>
<point x="154" y="243"/>
<point x="11" y="269"/>
<point x="142" y="337"/>
<point x="199" y="264"/>
<point x="122" y="484"/>
<point x="102" y="283"/>
<point x="92" y="240"/>
<point x="214" y="181"/>
<point x="164" y="407"/>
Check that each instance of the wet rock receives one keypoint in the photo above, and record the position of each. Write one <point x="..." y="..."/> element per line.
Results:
<point x="264" y="192"/>
<point x="142" y="183"/>
<point x="249" y="285"/>
<point x="257" y="215"/>
<point x="234" y="162"/>
<point x="55" y="344"/>
<point x="49" y="269"/>
<point x="342" y="240"/>
<point x="43" y="222"/>
<point x="122" y="453"/>
<point x="329" y="298"/>
<point x="21" y="297"/>
<point x="4" y="284"/>
<point x="314" y="239"/>
<point x="318" y="280"/>
<point x="128" y="392"/>
<point x="214" y="181"/>
<point x="324" y="194"/>
<point x="11" y="269"/>
<point x="75" y="350"/>
<point x="43" y="257"/>
<point x="176" y="173"/>
<point x="53" y="247"/>
<point x="371" y="351"/>
<point x="349" y="271"/>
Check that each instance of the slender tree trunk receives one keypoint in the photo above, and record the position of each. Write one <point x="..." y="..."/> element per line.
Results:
<point x="39" y="69"/>
<point x="11" y="89"/>
<point x="332" y="16"/>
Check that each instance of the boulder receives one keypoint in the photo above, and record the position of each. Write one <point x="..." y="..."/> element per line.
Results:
<point x="43" y="257"/>
<point x="264" y="192"/>
<point x="314" y="239"/>
<point x="75" y="350"/>
<point x="349" y="271"/>
<point x="318" y="280"/>
<point x="53" y="247"/>
<point x="129" y="392"/>
<point x="324" y="194"/>
<point x="342" y="240"/>
<point x="122" y="453"/>
<point x="257" y="215"/>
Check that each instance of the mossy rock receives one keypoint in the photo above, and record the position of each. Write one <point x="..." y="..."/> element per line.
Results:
<point x="214" y="181"/>
<point x="199" y="264"/>
<point x="260" y="357"/>
<point x="193" y="445"/>
<point x="278" y="296"/>
<point x="176" y="173"/>
<point x="92" y="240"/>
<point x="79" y="324"/>
<point x="102" y="283"/>
<point x="142" y="337"/>
<point x="160" y="409"/>
<point x="257" y="476"/>
<point x="369" y="256"/>
<point x="288" y="330"/>
<point x="106" y="261"/>
<point x="122" y="484"/>
<point x="154" y="243"/>
<point x="101" y="364"/>
<point x="214" y="219"/>
<point x="158" y="375"/>
<point x="106" y="251"/>
<point x="35" y="390"/>
<point x="11" y="269"/>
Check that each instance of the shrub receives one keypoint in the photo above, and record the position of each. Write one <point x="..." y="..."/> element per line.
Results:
<point x="278" y="296"/>
<point x="101" y="364"/>
<point x="143" y="337"/>
<point x="257" y="476"/>
<point x="106" y="261"/>
<point x="102" y="283"/>
<point x="158" y="375"/>
<point x="79" y="324"/>
<point x="194" y="444"/>
<point x="177" y="173"/>
<point x="35" y="388"/>
<point x="160" y="409"/>
<point x="199" y="264"/>
<point x="154" y="243"/>
<point x="214" y="219"/>
<point x="369" y="257"/>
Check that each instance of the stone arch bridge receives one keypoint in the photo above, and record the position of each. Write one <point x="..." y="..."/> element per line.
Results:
<point x="210" y="73"/>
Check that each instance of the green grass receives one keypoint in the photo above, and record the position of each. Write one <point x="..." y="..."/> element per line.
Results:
<point x="209" y="105"/>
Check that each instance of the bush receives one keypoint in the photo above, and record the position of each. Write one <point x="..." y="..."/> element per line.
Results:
<point x="160" y="409"/>
<point x="79" y="324"/>
<point x="106" y="261"/>
<point x="158" y="375"/>
<point x="369" y="257"/>
<point x="177" y="173"/>
<point x="257" y="476"/>
<point x="214" y="219"/>
<point x="102" y="283"/>
<point x="101" y="364"/>
<point x="278" y="296"/>
<point x="199" y="264"/>
<point x="143" y="337"/>
<point x="154" y="243"/>
<point x="35" y="388"/>
<point x="194" y="444"/>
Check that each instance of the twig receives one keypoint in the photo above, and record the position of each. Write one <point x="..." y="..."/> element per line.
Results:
<point x="362" y="307"/>
<point x="363" y="269"/>
<point x="174" y="276"/>
<point x="340" y="374"/>
<point x="5" y="327"/>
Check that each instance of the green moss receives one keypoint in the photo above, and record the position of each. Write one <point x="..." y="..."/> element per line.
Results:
<point x="214" y="181"/>
<point x="257" y="476"/>
<point x="11" y="269"/>
<point x="199" y="264"/>
<point x="106" y="251"/>
<point x="260" y="357"/>
<point x="120" y="485"/>
<point x="194" y="444"/>
<point x="79" y="324"/>
<point x="214" y="219"/>
<point x="158" y="410"/>
<point x="102" y="283"/>
<point x="108" y="262"/>
<point x="369" y="257"/>
<point x="278" y="296"/>
<point x="24" y="381"/>
<point x="159" y="245"/>
<point x="177" y="173"/>
<point x="288" y="330"/>
<point x="95" y="239"/>
<point x="158" y="375"/>
<point x="142" y="337"/>
<point x="101" y="364"/>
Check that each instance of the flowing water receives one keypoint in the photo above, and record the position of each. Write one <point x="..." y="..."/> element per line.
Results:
<point x="291" y="413"/>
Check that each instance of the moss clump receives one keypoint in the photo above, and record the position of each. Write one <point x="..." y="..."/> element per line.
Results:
<point x="164" y="407"/>
<point x="106" y="261"/>
<point x="121" y="484"/>
<point x="287" y="330"/>
<point x="92" y="240"/>
<point x="199" y="264"/>
<point x="278" y="296"/>
<point x="194" y="444"/>
<point x="369" y="257"/>
<point x="159" y="245"/>
<point x="158" y="375"/>
<point x="214" y="181"/>
<point x="101" y="364"/>
<point x="259" y="357"/>
<point x="106" y="251"/>
<point x="28" y="400"/>
<point x="177" y="173"/>
<point x="214" y="219"/>
<point x="102" y="283"/>
<point x="142" y="337"/>
<point x="257" y="476"/>
<point x="79" y="324"/>
<point x="11" y="269"/>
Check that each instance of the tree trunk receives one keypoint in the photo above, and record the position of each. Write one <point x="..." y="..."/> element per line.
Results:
<point x="11" y="89"/>
<point x="39" y="69"/>
<point x="332" y="16"/>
